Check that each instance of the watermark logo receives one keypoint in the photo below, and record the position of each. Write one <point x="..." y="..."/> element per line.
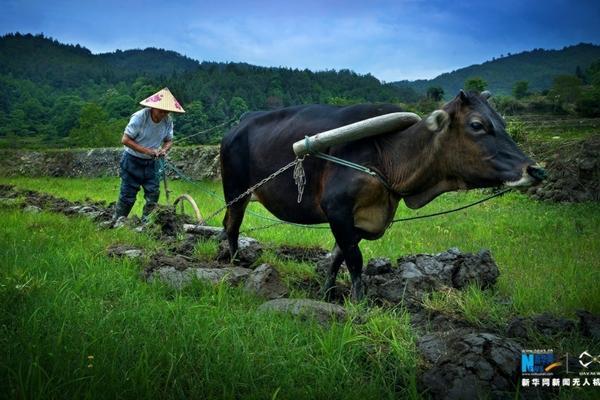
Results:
<point x="585" y="359"/>
<point x="538" y="362"/>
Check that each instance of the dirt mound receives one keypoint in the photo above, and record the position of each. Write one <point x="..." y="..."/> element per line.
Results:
<point x="573" y="173"/>
<point x="470" y="366"/>
<point x="99" y="211"/>
<point x="417" y="275"/>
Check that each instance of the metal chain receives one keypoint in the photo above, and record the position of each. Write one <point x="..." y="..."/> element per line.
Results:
<point x="254" y="187"/>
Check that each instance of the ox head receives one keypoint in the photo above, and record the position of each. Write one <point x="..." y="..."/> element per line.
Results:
<point x="477" y="150"/>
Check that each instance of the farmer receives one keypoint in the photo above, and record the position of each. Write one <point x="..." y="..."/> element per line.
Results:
<point x="148" y="136"/>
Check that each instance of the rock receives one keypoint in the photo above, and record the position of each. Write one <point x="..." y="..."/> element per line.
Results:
<point x="175" y="278"/>
<point x="470" y="366"/>
<point x="589" y="324"/>
<point x="249" y="251"/>
<point x="232" y="275"/>
<point x="124" y="251"/>
<point x="304" y="308"/>
<point x="265" y="282"/>
<point x="32" y="209"/>
<point x="179" y="279"/>
<point x="205" y="231"/>
<point x="378" y="266"/>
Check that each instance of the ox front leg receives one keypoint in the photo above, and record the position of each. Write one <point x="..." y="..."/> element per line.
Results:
<point x="347" y="240"/>
<point x="337" y="257"/>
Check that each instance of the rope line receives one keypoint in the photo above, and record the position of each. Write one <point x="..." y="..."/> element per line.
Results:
<point x="275" y="222"/>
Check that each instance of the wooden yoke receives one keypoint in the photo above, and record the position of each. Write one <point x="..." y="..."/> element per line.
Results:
<point x="358" y="130"/>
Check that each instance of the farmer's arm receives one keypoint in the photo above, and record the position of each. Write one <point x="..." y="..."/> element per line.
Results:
<point x="132" y="144"/>
<point x="168" y="141"/>
<point x="166" y="146"/>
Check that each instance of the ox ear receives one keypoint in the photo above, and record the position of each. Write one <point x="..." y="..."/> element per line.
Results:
<point x="437" y="121"/>
<point x="463" y="96"/>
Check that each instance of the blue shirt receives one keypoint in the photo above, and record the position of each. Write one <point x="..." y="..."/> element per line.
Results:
<point x="148" y="133"/>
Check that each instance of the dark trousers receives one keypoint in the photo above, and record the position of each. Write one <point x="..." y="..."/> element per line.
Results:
<point x="136" y="172"/>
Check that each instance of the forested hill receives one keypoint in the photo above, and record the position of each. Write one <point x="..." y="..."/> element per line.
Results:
<point x="46" y="61"/>
<point x="538" y="67"/>
<point x="64" y="94"/>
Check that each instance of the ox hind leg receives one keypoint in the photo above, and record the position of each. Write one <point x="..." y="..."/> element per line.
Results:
<point x="232" y="223"/>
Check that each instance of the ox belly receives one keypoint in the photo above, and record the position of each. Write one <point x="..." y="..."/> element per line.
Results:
<point x="374" y="210"/>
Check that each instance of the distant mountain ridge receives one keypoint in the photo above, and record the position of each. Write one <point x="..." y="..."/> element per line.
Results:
<point x="539" y="67"/>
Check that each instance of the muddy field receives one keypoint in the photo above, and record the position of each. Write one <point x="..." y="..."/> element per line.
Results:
<point x="459" y="360"/>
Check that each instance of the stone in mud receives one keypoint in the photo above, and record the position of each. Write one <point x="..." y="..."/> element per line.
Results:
<point x="124" y="251"/>
<point x="471" y="366"/>
<point x="249" y="251"/>
<point x="32" y="209"/>
<point x="265" y="282"/>
<point x="306" y="309"/>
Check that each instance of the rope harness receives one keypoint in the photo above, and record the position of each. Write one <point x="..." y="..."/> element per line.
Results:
<point x="300" y="179"/>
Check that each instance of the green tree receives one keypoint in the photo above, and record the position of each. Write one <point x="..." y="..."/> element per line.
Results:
<point x="238" y="107"/>
<point x="520" y="89"/>
<point x="435" y="93"/>
<point x="94" y="129"/>
<point x="475" y="84"/>
<point x="566" y="89"/>
<point x="192" y="122"/>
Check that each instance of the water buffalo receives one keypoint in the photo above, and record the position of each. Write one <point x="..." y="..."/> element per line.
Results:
<point x="462" y="146"/>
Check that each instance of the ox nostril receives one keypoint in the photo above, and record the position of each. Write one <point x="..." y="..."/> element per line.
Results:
<point x="537" y="173"/>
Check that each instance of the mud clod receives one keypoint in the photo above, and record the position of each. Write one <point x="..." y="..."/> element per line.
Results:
<point x="249" y="251"/>
<point x="265" y="282"/>
<point x="543" y="324"/>
<point x="378" y="266"/>
<point x="470" y="366"/>
<point x="589" y="324"/>
<point x="419" y="274"/>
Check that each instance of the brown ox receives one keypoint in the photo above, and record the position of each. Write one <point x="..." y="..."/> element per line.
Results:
<point x="462" y="146"/>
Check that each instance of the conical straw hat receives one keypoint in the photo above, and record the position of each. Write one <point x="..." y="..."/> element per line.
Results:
<point x="163" y="100"/>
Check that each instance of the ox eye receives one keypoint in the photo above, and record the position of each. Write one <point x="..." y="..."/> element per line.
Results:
<point x="476" y="126"/>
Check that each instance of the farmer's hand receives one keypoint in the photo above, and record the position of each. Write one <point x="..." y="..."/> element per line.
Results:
<point x="162" y="152"/>
<point x="152" y="152"/>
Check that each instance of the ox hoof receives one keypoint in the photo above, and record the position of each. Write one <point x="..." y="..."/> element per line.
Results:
<point x="358" y="291"/>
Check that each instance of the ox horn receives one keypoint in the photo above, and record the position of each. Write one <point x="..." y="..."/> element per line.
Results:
<point x="358" y="130"/>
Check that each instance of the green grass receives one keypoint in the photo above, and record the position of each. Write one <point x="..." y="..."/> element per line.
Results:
<point x="539" y="246"/>
<point x="76" y="324"/>
<point x="63" y="300"/>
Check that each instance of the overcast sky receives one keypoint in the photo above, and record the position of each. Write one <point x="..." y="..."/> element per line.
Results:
<point x="393" y="40"/>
